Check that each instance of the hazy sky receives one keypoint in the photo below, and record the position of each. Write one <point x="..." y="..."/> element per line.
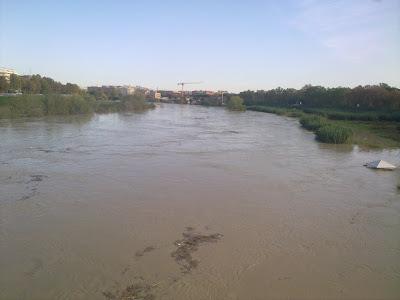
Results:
<point x="232" y="45"/>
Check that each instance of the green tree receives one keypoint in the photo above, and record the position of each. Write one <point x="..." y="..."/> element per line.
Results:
<point x="4" y="85"/>
<point x="71" y="88"/>
<point x="15" y="83"/>
<point x="135" y="102"/>
<point x="235" y="103"/>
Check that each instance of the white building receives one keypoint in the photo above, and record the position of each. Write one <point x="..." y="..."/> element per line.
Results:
<point x="7" y="73"/>
<point x="130" y="89"/>
<point x="126" y="90"/>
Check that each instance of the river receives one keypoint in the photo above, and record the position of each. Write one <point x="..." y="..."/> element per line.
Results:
<point x="189" y="202"/>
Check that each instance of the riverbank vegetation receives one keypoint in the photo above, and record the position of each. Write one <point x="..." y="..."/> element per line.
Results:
<point x="35" y="96"/>
<point x="370" y="134"/>
<point x="365" y="115"/>
<point x="312" y="122"/>
<point x="362" y="99"/>
<point x="333" y="134"/>
<point x="36" y="84"/>
<point x="325" y="131"/>
<point x="235" y="103"/>
<point x="27" y="105"/>
<point x="40" y="105"/>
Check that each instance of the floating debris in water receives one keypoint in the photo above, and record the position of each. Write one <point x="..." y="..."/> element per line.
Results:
<point x="142" y="290"/>
<point x="36" y="178"/>
<point x="136" y="291"/>
<point x="144" y="251"/>
<point x="36" y="267"/>
<point x="32" y="186"/>
<point x="189" y="244"/>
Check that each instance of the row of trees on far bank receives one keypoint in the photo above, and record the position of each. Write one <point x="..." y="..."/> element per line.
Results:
<point x="30" y="105"/>
<point x="42" y="96"/>
<point x="36" y="84"/>
<point x="369" y="97"/>
<point x="106" y="92"/>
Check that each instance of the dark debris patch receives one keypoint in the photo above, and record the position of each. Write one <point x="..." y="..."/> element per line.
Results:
<point x="37" y="178"/>
<point x="32" y="186"/>
<point x="190" y="244"/>
<point x="144" y="251"/>
<point x="139" y="290"/>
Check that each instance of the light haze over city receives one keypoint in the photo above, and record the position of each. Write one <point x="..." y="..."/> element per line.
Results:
<point x="228" y="45"/>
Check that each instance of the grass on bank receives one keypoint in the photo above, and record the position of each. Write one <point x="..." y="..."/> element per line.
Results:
<point x="334" y="134"/>
<point x="312" y="122"/>
<point x="378" y="133"/>
<point x="389" y="116"/>
<point x="325" y="131"/>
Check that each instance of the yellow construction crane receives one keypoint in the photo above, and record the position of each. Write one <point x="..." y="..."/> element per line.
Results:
<point x="183" y="84"/>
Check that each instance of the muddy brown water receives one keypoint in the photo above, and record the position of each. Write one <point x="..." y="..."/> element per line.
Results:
<point x="115" y="206"/>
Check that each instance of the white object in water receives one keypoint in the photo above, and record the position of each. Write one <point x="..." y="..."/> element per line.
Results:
<point x="380" y="164"/>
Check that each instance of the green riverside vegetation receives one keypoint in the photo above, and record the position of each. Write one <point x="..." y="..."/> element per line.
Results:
<point x="366" y="134"/>
<point x="325" y="131"/>
<point x="56" y="104"/>
<point x="41" y="96"/>
<point x="361" y="99"/>
<point x="235" y="103"/>
<point x="368" y="116"/>
<point x="333" y="134"/>
<point x="312" y="122"/>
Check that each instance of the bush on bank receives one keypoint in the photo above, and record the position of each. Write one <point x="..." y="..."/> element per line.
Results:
<point x="68" y="105"/>
<point x="135" y="102"/>
<point x="26" y="106"/>
<point x="326" y="132"/>
<point x="235" y="103"/>
<point x="312" y="122"/>
<point x="334" y="134"/>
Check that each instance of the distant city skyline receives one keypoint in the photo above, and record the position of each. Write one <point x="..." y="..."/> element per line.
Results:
<point x="227" y="45"/>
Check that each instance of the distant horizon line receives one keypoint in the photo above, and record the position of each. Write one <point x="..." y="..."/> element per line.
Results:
<point x="82" y="86"/>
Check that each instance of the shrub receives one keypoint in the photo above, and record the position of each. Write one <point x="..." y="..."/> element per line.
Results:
<point x="27" y="106"/>
<point x="57" y="104"/>
<point x="235" y="103"/>
<point x="334" y="134"/>
<point x="106" y="106"/>
<point x="135" y="102"/>
<point x="79" y="105"/>
<point x="312" y="122"/>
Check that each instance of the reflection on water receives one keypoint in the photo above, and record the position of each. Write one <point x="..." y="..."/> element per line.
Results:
<point x="186" y="202"/>
<point x="345" y="148"/>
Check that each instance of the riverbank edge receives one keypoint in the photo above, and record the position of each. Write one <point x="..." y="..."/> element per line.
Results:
<point x="375" y="134"/>
<point x="30" y="105"/>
